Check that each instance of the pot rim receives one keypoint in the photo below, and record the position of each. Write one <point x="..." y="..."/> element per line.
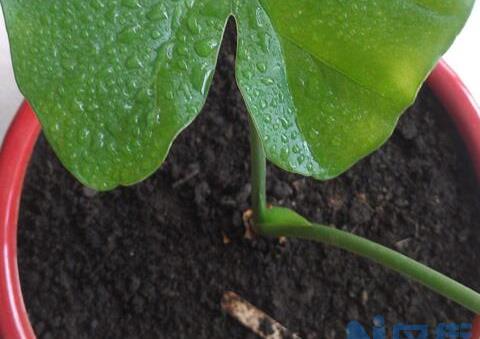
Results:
<point x="19" y="142"/>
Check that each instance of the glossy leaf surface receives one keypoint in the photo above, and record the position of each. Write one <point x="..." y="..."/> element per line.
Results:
<point x="113" y="82"/>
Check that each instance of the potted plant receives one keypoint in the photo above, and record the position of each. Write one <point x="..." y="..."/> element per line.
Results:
<point x="314" y="111"/>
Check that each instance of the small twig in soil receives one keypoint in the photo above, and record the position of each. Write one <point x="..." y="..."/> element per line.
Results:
<point x="254" y="319"/>
<point x="188" y="177"/>
<point x="226" y="239"/>
<point x="247" y="223"/>
<point x="282" y="241"/>
<point x="401" y="244"/>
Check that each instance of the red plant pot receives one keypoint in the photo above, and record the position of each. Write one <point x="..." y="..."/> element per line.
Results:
<point x="20" y="141"/>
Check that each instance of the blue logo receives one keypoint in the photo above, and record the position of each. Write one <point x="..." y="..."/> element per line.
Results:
<point x="355" y="330"/>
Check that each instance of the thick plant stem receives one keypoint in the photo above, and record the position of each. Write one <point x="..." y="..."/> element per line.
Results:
<point x="382" y="255"/>
<point x="258" y="168"/>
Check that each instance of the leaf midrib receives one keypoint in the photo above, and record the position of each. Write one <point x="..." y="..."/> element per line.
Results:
<point x="321" y="60"/>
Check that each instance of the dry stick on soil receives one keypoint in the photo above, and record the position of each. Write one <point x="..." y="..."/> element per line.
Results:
<point x="188" y="177"/>
<point x="254" y="319"/>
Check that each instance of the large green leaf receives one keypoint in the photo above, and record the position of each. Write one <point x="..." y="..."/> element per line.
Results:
<point x="115" y="81"/>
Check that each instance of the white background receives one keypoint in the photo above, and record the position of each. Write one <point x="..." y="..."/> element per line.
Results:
<point x="10" y="97"/>
<point x="464" y="57"/>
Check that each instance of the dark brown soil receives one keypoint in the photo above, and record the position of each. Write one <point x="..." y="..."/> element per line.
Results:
<point x="150" y="261"/>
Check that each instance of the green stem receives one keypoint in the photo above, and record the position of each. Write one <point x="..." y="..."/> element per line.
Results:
<point x="258" y="168"/>
<point x="284" y="222"/>
<point x="382" y="255"/>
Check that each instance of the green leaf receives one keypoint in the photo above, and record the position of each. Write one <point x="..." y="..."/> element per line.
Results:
<point x="114" y="82"/>
<point x="338" y="74"/>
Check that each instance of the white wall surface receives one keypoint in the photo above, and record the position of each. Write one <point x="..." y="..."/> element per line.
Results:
<point x="464" y="57"/>
<point x="10" y="97"/>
